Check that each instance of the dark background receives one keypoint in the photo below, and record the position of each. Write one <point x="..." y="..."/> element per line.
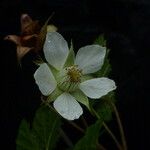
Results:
<point x="126" y="26"/>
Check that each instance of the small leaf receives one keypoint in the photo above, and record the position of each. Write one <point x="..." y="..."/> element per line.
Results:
<point x="89" y="140"/>
<point x="100" y="40"/>
<point x="44" y="132"/>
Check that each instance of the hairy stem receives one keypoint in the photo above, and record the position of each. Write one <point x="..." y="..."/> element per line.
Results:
<point x="108" y="130"/>
<point x="66" y="138"/>
<point x="84" y="122"/>
<point x="120" y="125"/>
<point x="100" y="146"/>
<point x="70" y="122"/>
<point x="76" y="126"/>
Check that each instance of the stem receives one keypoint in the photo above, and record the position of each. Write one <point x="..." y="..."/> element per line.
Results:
<point x="72" y="123"/>
<point x="66" y="138"/>
<point x="76" y="126"/>
<point x="120" y="125"/>
<point x="100" y="146"/>
<point x="108" y="130"/>
<point x="84" y="122"/>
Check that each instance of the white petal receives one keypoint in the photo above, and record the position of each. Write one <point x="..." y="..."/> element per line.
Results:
<point x="90" y="58"/>
<point x="55" y="49"/>
<point x="98" y="87"/>
<point x="45" y="79"/>
<point x="68" y="107"/>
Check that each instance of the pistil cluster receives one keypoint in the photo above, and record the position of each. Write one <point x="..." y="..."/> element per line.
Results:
<point x="71" y="79"/>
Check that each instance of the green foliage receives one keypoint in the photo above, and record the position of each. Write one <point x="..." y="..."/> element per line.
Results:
<point x="106" y="68"/>
<point x="103" y="108"/>
<point x="43" y="134"/>
<point x="90" y="139"/>
<point x="101" y="41"/>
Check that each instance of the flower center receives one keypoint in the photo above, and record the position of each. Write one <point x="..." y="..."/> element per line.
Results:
<point x="70" y="79"/>
<point x="74" y="74"/>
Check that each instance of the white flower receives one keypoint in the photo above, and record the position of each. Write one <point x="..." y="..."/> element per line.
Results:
<point x="69" y="75"/>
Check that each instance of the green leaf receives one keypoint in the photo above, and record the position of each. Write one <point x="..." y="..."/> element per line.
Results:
<point x="81" y="97"/>
<point x="44" y="132"/>
<point x="100" y="40"/>
<point x="103" y="107"/>
<point x="26" y="140"/>
<point x="71" y="57"/>
<point x="89" y="140"/>
<point x="106" y="68"/>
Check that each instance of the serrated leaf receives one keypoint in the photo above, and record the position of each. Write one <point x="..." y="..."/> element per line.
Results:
<point x="106" y="68"/>
<point x="89" y="140"/>
<point x="25" y="140"/>
<point x="44" y="132"/>
<point x="104" y="109"/>
<point x="100" y="40"/>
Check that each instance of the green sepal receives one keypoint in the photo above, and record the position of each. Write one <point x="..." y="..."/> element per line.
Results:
<point x="54" y="71"/>
<point x="81" y="97"/>
<point x="86" y="77"/>
<point x="71" y="57"/>
<point x="38" y="61"/>
<point x="42" y="35"/>
<point x="53" y="96"/>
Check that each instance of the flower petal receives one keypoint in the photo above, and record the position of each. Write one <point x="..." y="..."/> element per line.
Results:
<point x="68" y="107"/>
<point x="55" y="49"/>
<point x="90" y="58"/>
<point x="45" y="79"/>
<point x="98" y="87"/>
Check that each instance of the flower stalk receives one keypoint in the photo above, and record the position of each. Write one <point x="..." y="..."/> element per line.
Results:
<point x="119" y="125"/>
<point x="107" y="129"/>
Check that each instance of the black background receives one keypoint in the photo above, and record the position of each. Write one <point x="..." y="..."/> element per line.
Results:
<point x="126" y="26"/>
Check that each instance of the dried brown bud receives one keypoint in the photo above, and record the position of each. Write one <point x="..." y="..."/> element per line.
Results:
<point x="32" y="36"/>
